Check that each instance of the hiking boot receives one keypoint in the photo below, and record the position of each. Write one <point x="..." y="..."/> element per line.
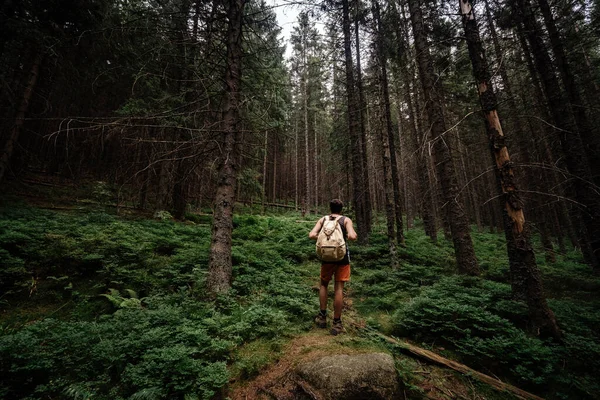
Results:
<point x="337" y="328"/>
<point x="321" y="321"/>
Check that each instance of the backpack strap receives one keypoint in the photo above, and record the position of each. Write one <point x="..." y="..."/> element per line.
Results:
<point x="323" y="220"/>
<point x="342" y="222"/>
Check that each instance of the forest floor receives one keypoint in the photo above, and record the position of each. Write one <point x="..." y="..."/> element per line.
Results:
<point x="421" y="379"/>
<point x="108" y="304"/>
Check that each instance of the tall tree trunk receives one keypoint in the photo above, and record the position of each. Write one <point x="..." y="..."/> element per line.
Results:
<point x="524" y="271"/>
<point x="591" y="143"/>
<point x="459" y="224"/>
<point x="180" y="188"/>
<point x="517" y="126"/>
<point x="387" y="115"/>
<point x="354" y="130"/>
<point x="306" y="133"/>
<point x="589" y="138"/>
<point x="547" y="154"/>
<point x="523" y="139"/>
<point x="367" y="214"/>
<point x="296" y="144"/>
<point x="264" y="171"/>
<point x="316" y="166"/>
<point x="406" y="164"/>
<point x="389" y="198"/>
<point x="274" y="199"/>
<point x="588" y="224"/>
<point x="219" y="267"/>
<point x="466" y="167"/>
<point x="429" y="220"/>
<point x="15" y="130"/>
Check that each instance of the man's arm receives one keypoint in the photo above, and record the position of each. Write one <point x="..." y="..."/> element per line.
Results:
<point x="314" y="234"/>
<point x="350" y="229"/>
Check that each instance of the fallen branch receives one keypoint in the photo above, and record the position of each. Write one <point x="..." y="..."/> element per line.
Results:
<point x="306" y="389"/>
<point x="432" y="357"/>
<point x="268" y="392"/>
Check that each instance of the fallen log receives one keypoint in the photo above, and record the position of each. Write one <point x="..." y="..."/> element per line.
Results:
<point x="435" y="358"/>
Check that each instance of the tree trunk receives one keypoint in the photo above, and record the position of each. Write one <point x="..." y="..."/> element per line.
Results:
<point x="387" y="115"/>
<point x="520" y="252"/>
<point x="306" y="134"/>
<point x="388" y="196"/>
<point x="264" y="172"/>
<point x="590" y="142"/>
<point x="363" y="130"/>
<point x="517" y="127"/>
<point x="220" y="268"/>
<point x="547" y="154"/>
<point x="15" y="130"/>
<point x="180" y="189"/>
<point x="316" y="162"/>
<point x="354" y="130"/>
<point x="459" y="224"/>
<point x="275" y="174"/>
<point x="588" y="224"/>
<point x="429" y="220"/>
<point x="296" y="144"/>
<point x="406" y="163"/>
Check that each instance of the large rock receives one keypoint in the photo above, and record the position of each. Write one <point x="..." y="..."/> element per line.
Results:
<point x="353" y="377"/>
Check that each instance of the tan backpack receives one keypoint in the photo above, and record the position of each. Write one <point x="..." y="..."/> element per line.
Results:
<point x="331" y="246"/>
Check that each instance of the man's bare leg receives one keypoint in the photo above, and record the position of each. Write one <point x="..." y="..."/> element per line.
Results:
<point x="338" y="300"/>
<point x="323" y="295"/>
<point x="321" y="318"/>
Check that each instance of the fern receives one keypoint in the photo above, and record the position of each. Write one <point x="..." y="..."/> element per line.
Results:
<point x="123" y="302"/>
<point x="152" y="393"/>
<point x="78" y="392"/>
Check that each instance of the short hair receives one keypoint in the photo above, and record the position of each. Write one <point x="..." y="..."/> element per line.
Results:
<point x="336" y="206"/>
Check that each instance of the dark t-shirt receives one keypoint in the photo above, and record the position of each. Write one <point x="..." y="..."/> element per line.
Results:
<point x="346" y="259"/>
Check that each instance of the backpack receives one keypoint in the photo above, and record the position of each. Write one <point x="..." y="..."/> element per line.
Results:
<point x="331" y="246"/>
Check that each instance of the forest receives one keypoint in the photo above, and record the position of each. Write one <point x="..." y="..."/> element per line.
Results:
<point x="163" y="161"/>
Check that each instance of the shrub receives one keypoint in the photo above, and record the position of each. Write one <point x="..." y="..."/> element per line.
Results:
<point x="160" y="347"/>
<point x="478" y="320"/>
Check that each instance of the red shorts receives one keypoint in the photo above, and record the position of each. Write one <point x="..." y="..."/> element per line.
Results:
<point x="341" y="272"/>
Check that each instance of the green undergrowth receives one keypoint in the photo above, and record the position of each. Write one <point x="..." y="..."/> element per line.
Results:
<point x="132" y="319"/>
<point x="106" y="307"/>
<point x="476" y="321"/>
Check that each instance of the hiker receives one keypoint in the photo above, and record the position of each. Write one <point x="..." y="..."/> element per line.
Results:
<point x="340" y="269"/>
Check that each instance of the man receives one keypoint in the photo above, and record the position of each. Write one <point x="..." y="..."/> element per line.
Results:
<point x="340" y="269"/>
